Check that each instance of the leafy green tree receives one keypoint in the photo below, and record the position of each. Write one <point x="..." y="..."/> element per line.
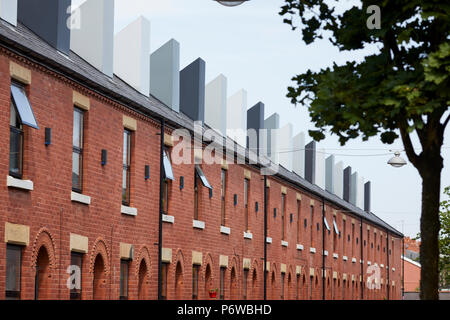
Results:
<point x="444" y="242"/>
<point x="400" y="90"/>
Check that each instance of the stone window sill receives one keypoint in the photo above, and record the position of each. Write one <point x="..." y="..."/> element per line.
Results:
<point x="198" y="224"/>
<point x="248" y="235"/>
<point x="225" y="230"/>
<point x="168" y="219"/>
<point x="80" y="198"/>
<point x="19" y="183"/>
<point x="128" y="211"/>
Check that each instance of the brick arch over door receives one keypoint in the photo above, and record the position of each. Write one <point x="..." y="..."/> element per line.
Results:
<point x="44" y="265"/>
<point x="100" y="270"/>
<point x="179" y="276"/>
<point x="208" y="275"/>
<point x="234" y="283"/>
<point x="143" y="274"/>
<point x="255" y="285"/>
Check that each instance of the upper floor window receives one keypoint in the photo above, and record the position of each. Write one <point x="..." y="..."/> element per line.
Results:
<point x="126" y="167"/>
<point x="283" y="216"/>
<point x="199" y="175"/>
<point x="223" y="180"/>
<point x="195" y="275"/>
<point x="311" y="227"/>
<point x="21" y="114"/>
<point x="298" y="221"/>
<point x="13" y="272"/>
<point x="246" y="193"/>
<point x="77" y="152"/>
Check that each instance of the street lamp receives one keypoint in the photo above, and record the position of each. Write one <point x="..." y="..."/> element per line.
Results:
<point x="231" y="3"/>
<point x="397" y="161"/>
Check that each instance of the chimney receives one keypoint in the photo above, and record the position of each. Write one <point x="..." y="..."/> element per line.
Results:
<point x="298" y="155"/>
<point x="354" y="188"/>
<point x="132" y="55"/>
<point x="192" y="90"/>
<point x="339" y="179"/>
<point x="310" y="162"/>
<point x="237" y="117"/>
<point x="367" y="196"/>
<point x="347" y="183"/>
<point x="94" y="39"/>
<point x="330" y="174"/>
<point x="165" y="74"/>
<point x="285" y="146"/>
<point x="8" y="11"/>
<point x="255" y="121"/>
<point x="216" y="104"/>
<point x="360" y="193"/>
<point x="320" y="168"/>
<point x="48" y="19"/>
<point x="272" y="125"/>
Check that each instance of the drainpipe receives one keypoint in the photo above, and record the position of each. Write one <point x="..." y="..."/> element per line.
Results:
<point x="361" y="284"/>
<point x="403" y="268"/>
<point x="323" y="248"/>
<point x="265" y="237"/>
<point x="161" y="178"/>
<point x="388" y="286"/>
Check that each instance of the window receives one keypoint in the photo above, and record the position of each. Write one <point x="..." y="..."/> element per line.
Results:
<point x="168" y="176"/>
<point x="13" y="272"/>
<point x="76" y="260"/>
<point x="298" y="287"/>
<point x="165" y="197"/>
<point x="336" y="233"/>
<point x="245" y="284"/>
<point x="283" y="216"/>
<point x="124" y="267"/>
<point x="21" y="114"/>
<point x="126" y="167"/>
<point x="353" y="240"/>
<point x="298" y="221"/>
<point x="223" y="180"/>
<point x="195" y="273"/>
<point x="15" y="143"/>
<point x="168" y="170"/>
<point x="311" y="227"/>
<point x="310" y="287"/>
<point x="344" y="227"/>
<point x="246" y="182"/>
<point x="164" y="273"/>
<point x="222" y="282"/>
<point x="198" y="174"/>
<point x="77" y="152"/>
<point x="283" y="275"/>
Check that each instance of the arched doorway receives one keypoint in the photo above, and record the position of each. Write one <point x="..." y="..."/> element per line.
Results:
<point x="289" y="288"/>
<point x="254" y="294"/>
<point x="143" y="281"/>
<point x="208" y="281"/>
<point x="179" y="282"/>
<point x="233" y="285"/>
<point x="100" y="281"/>
<point x="42" y="281"/>
<point x="272" y="287"/>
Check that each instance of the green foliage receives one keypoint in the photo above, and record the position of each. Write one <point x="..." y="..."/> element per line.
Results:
<point x="403" y="86"/>
<point x="444" y="242"/>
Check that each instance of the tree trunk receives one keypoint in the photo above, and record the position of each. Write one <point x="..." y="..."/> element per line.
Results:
<point x="429" y="228"/>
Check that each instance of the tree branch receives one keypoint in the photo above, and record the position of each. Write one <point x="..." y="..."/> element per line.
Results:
<point x="412" y="156"/>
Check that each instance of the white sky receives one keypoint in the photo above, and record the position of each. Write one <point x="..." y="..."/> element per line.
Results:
<point x="251" y="46"/>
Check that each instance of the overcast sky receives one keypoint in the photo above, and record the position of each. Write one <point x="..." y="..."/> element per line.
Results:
<point x="251" y="46"/>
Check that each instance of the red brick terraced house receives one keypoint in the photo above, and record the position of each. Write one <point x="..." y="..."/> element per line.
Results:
<point x="66" y="208"/>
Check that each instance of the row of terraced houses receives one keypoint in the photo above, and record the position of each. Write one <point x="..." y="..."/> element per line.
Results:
<point x="92" y="205"/>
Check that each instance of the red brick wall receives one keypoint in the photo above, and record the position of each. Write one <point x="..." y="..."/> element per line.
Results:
<point x="52" y="216"/>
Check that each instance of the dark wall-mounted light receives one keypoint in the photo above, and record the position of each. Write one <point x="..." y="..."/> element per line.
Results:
<point x="235" y="200"/>
<point x="274" y="212"/>
<point x="256" y="206"/>
<point x="48" y="136"/>
<point x="181" y="183"/>
<point x="210" y="193"/>
<point x="292" y="218"/>
<point x="318" y="227"/>
<point x="147" y="172"/>
<point x="305" y="223"/>
<point x="104" y="157"/>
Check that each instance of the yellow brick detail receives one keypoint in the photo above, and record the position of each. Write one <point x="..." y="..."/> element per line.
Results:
<point x="19" y="73"/>
<point x="129" y="123"/>
<point x="81" y="101"/>
<point x="17" y="234"/>
<point x="166" y="255"/>
<point x="79" y="243"/>
<point x="197" y="258"/>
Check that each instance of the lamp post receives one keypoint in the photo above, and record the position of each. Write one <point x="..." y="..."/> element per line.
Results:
<point x="231" y="3"/>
